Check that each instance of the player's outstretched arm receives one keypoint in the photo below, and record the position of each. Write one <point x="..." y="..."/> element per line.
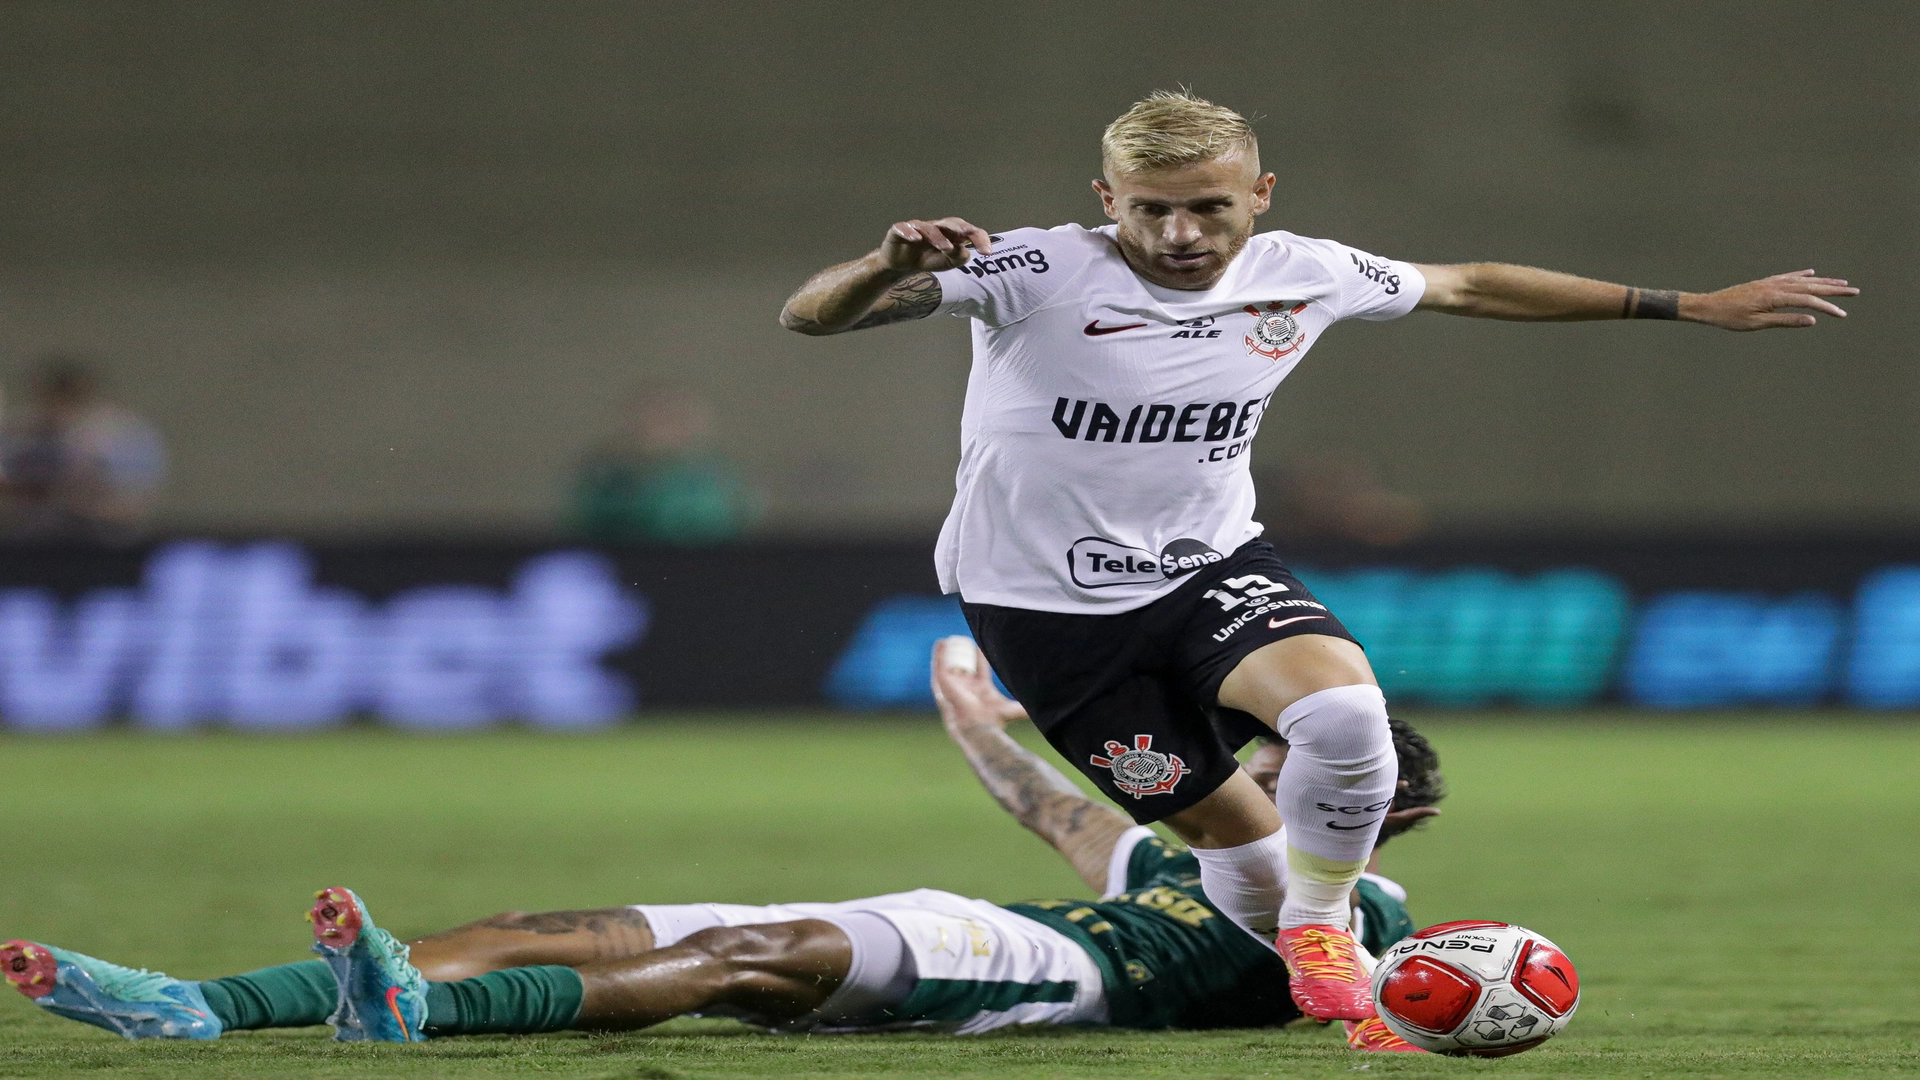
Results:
<point x="892" y="283"/>
<point x="1526" y="293"/>
<point x="1034" y="792"/>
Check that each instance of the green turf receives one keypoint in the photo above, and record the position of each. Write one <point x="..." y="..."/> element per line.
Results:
<point x="1738" y="893"/>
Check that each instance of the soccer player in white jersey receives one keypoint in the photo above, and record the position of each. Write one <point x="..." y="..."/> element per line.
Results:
<point x="1102" y="539"/>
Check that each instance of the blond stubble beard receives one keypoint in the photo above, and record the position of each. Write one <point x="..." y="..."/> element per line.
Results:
<point x="1138" y="256"/>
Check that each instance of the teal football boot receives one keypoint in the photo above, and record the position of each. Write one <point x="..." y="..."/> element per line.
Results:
<point x="132" y="1003"/>
<point x="383" y="998"/>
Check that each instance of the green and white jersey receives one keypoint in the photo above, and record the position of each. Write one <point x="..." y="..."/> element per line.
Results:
<point x="1169" y="959"/>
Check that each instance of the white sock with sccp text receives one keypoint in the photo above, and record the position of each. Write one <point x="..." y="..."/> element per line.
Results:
<point x="1247" y="882"/>
<point x="1334" y="791"/>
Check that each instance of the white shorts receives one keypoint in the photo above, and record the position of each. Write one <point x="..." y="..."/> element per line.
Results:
<point x="963" y="965"/>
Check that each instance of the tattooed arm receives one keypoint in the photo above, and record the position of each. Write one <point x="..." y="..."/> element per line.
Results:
<point x="912" y="297"/>
<point x="892" y="283"/>
<point x="1043" y="800"/>
<point x="1034" y="792"/>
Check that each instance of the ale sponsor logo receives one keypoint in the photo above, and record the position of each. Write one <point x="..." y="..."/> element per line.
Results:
<point x="1197" y="328"/>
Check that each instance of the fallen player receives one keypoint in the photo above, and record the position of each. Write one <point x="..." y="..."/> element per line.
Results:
<point x="1155" y="953"/>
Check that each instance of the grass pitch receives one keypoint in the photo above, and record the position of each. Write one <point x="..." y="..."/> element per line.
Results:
<point x="1674" y="860"/>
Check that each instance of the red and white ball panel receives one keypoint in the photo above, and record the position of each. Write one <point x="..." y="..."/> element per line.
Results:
<point x="1479" y="988"/>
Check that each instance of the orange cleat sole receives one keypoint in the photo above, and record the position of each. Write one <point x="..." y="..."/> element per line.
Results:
<point x="335" y="918"/>
<point x="30" y="968"/>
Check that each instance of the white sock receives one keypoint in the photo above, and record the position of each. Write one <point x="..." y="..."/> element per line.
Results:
<point x="1246" y="882"/>
<point x="1319" y="891"/>
<point x="1333" y="793"/>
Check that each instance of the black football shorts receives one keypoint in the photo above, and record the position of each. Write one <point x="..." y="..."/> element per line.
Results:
<point x="1131" y="699"/>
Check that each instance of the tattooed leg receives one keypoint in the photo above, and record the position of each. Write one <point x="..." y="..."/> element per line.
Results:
<point x="519" y="939"/>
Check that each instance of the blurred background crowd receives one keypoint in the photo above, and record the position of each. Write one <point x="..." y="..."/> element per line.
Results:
<point x="73" y="464"/>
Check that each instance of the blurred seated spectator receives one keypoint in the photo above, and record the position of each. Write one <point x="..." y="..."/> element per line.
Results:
<point x="1320" y="499"/>
<point x="74" y="465"/>
<point x="660" y="479"/>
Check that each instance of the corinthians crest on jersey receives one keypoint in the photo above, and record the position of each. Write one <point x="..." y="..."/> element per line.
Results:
<point x="1142" y="770"/>
<point x="1275" y="331"/>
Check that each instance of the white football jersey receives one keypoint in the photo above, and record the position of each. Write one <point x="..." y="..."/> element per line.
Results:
<point x="1104" y="445"/>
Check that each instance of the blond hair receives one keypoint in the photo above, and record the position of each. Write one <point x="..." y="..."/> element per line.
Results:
<point x="1172" y="128"/>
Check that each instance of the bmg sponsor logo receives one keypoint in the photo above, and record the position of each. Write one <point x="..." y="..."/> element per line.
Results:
<point x="1095" y="562"/>
<point x="1003" y="262"/>
<point x="1378" y="272"/>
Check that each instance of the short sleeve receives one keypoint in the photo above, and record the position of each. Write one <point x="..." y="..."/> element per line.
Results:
<point x="1025" y="269"/>
<point x="1149" y="861"/>
<point x="1369" y="286"/>
<point x="1120" y="863"/>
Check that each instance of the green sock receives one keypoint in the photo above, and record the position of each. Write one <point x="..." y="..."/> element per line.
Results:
<point x="512" y="1001"/>
<point x="291" y="995"/>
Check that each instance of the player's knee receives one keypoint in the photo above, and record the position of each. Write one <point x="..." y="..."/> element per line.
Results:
<point x="751" y="962"/>
<point x="744" y="948"/>
<point x="1344" y="725"/>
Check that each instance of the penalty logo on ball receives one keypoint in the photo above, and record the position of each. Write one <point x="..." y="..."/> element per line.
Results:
<point x="1275" y="331"/>
<point x="1142" y="770"/>
<point x="1476" y="988"/>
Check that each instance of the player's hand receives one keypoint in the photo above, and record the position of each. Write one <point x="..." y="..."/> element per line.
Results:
<point x="1399" y="821"/>
<point x="1768" y="303"/>
<point x="965" y="693"/>
<point x="945" y="244"/>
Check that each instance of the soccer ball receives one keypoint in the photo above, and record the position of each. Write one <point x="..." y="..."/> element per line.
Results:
<point x="1475" y="988"/>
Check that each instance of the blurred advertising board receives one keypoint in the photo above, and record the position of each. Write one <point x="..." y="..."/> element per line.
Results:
<point x="278" y="635"/>
<point x="1544" y="623"/>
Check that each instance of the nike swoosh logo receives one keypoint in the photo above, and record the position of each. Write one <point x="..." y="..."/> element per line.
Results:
<point x="1351" y="828"/>
<point x="1275" y="624"/>
<point x="1094" y="329"/>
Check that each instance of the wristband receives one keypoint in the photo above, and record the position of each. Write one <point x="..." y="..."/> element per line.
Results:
<point x="1651" y="304"/>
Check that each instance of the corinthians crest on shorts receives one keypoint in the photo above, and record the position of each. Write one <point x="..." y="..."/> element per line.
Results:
<point x="1275" y="331"/>
<point x="1142" y="770"/>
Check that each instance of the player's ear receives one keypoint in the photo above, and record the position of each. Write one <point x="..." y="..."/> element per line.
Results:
<point x="1106" y="199"/>
<point x="1263" y="193"/>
